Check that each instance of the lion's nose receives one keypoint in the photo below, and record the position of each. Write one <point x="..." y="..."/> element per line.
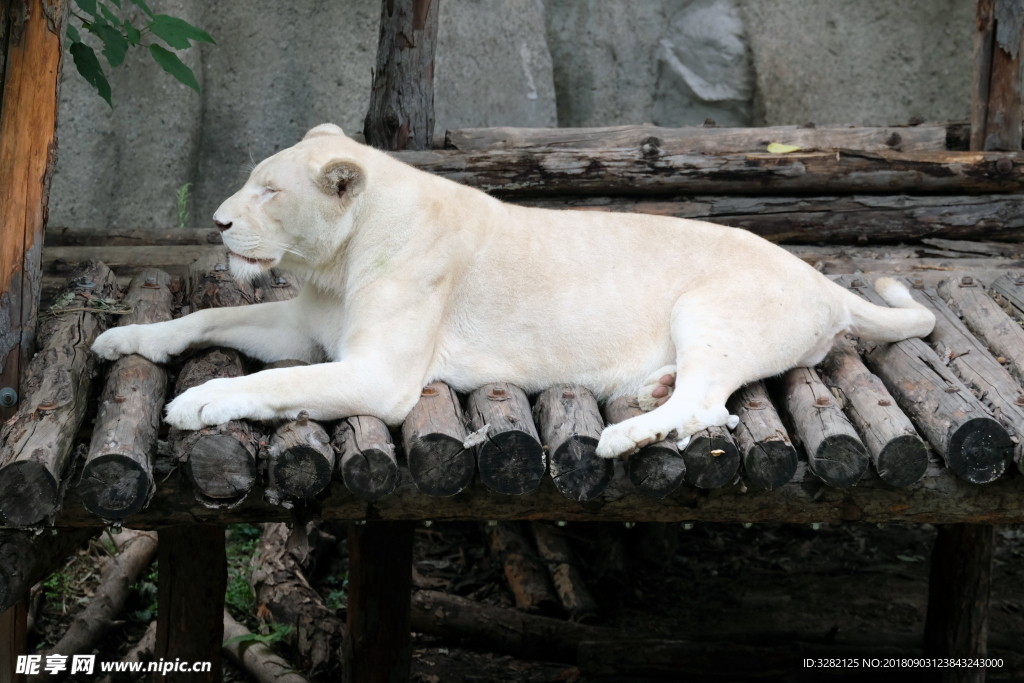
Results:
<point x="222" y="226"/>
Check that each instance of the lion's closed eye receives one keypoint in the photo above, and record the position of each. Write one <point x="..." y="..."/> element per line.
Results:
<point x="268" y="193"/>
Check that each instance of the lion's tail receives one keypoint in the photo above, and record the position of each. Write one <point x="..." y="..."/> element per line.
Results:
<point x="905" y="319"/>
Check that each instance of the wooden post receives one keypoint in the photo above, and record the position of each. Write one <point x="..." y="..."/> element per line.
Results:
<point x="13" y="640"/>
<point x="434" y="433"/>
<point x="193" y="577"/>
<point x="958" y="597"/>
<point x="571" y="425"/>
<point x="996" y="100"/>
<point x="769" y="459"/>
<point x="378" y="645"/>
<point x="366" y="459"/>
<point x="509" y="457"/>
<point x="33" y="43"/>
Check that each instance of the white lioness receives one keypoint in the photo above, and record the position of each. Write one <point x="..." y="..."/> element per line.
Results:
<point x="413" y="278"/>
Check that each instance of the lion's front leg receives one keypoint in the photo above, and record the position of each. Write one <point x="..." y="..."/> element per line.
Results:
<point x="269" y="332"/>
<point x="328" y="391"/>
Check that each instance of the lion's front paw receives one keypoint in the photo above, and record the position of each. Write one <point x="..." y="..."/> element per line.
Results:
<point x="216" y="402"/>
<point x="123" y="341"/>
<point x="614" y="443"/>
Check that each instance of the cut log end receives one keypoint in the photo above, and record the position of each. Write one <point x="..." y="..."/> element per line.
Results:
<point x="656" y="471"/>
<point x="840" y="460"/>
<point x="712" y="459"/>
<point x="302" y="471"/>
<point x="770" y="464"/>
<point x="579" y="473"/>
<point x="114" y="486"/>
<point x="221" y="467"/>
<point x="903" y="461"/>
<point x="370" y="474"/>
<point x="511" y="462"/>
<point x="28" y="493"/>
<point x="440" y="465"/>
<point x="980" y="450"/>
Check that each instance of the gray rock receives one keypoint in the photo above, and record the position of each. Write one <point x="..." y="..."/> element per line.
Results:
<point x="492" y="67"/>
<point x="872" y="62"/>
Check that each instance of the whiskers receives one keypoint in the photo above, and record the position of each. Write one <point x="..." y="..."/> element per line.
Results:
<point x="284" y="247"/>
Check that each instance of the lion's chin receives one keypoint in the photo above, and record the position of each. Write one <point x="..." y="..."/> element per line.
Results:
<point x="248" y="268"/>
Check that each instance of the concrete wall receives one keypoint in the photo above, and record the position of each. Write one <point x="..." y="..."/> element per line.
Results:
<point x="283" y="66"/>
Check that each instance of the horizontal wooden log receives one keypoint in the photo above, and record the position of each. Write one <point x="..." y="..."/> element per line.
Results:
<point x="697" y="140"/>
<point x="655" y="470"/>
<point x="301" y="460"/>
<point x="257" y="659"/>
<point x="509" y="456"/>
<point x="366" y="459"/>
<point x="940" y="497"/>
<point x="526" y="575"/>
<point x="768" y="456"/>
<point x="524" y="173"/>
<point x="37" y="443"/>
<point x="143" y="236"/>
<point x="711" y="458"/>
<point x="563" y="568"/>
<point x="945" y="412"/>
<point x="27" y="557"/>
<point x="894" y="446"/>
<point x="976" y="248"/>
<point x="496" y="629"/>
<point x="854" y="219"/>
<point x="118" y="476"/>
<point x="434" y="436"/>
<point x="570" y="424"/>
<point x="970" y="359"/>
<point x="128" y="260"/>
<point x="834" y="450"/>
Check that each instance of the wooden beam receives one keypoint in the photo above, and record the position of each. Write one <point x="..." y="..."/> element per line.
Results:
<point x="192" y="579"/>
<point x="28" y="149"/>
<point x="13" y="641"/>
<point x="996" y="98"/>
<point x="625" y="172"/>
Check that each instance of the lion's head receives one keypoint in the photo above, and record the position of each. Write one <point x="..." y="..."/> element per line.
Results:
<point x="297" y="206"/>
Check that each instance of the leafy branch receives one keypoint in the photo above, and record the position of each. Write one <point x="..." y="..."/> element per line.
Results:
<point x="118" y="35"/>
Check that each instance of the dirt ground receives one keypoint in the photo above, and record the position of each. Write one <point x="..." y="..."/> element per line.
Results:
<point x="848" y="583"/>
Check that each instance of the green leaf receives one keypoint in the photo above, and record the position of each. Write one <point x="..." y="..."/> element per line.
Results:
<point x="177" y="32"/>
<point x="87" y="6"/>
<point x="132" y="34"/>
<point x="89" y="67"/>
<point x="174" y="66"/>
<point x="111" y="17"/>
<point x="115" y="45"/>
<point x="144" y="6"/>
<point x="244" y="638"/>
<point x="117" y="3"/>
<point x="73" y="34"/>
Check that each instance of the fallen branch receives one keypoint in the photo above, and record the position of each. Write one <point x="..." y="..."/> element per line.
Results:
<point x="255" y="657"/>
<point x="142" y="651"/>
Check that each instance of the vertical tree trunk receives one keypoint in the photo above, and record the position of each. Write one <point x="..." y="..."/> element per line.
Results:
<point x="193" y="577"/>
<point x="378" y="647"/>
<point x="401" y="114"/>
<point x="996" y="102"/>
<point x="32" y="38"/>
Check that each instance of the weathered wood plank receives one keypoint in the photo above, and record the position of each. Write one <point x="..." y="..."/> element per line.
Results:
<point x="434" y="435"/>
<point x="768" y="456"/>
<point x="33" y="44"/>
<point x="509" y="456"/>
<point x="570" y="424"/>
<point x="366" y="457"/>
<point x="128" y="260"/>
<point x="37" y="443"/>
<point x="535" y="173"/>
<point x="697" y="140"/>
<point x="854" y="219"/>
<point x="118" y="477"/>
<point x="896" y="450"/>
<point x="957" y="425"/>
<point x="711" y="458"/>
<point x="987" y="320"/>
<point x="115" y="236"/>
<point x="655" y="470"/>
<point x="1010" y="287"/>
<point x="834" y="450"/>
<point x="996" y="115"/>
<point x="969" y="358"/>
<point x="301" y="460"/>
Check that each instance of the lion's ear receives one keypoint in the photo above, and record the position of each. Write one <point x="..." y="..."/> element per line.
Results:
<point x="341" y="178"/>
<point x="323" y="129"/>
